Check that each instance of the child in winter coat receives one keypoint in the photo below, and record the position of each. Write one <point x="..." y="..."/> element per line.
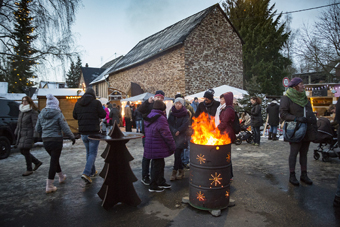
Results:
<point x="159" y="144"/>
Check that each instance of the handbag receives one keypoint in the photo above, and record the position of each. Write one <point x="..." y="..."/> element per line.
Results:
<point x="294" y="131"/>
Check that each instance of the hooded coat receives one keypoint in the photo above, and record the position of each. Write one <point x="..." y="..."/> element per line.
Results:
<point x="159" y="142"/>
<point x="179" y="122"/>
<point x="51" y="123"/>
<point x="227" y="116"/>
<point x="25" y="128"/>
<point x="88" y="111"/>
<point x="273" y="111"/>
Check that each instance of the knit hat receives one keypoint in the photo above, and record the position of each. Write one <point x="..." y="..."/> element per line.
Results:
<point x="178" y="95"/>
<point x="209" y="94"/>
<point x="195" y="98"/>
<point x="294" y="82"/>
<point x="90" y="91"/>
<point x="159" y="105"/>
<point x="52" y="102"/>
<point x="160" y="93"/>
<point x="181" y="100"/>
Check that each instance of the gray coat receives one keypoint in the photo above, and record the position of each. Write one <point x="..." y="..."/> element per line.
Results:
<point x="290" y="110"/>
<point x="25" y="129"/>
<point x="51" y="122"/>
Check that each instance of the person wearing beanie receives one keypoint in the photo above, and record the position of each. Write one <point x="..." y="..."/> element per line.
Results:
<point x="50" y="124"/>
<point x="145" y="109"/>
<point x="159" y="144"/>
<point x="273" y="119"/>
<point x="24" y="133"/>
<point x="209" y="105"/>
<point x="88" y="111"/>
<point x="295" y="106"/>
<point x="178" y="122"/>
<point x="194" y="104"/>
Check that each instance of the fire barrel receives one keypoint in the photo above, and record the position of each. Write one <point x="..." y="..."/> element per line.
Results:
<point x="210" y="173"/>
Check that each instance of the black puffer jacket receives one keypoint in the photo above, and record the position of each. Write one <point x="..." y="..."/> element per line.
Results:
<point x="273" y="111"/>
<point x="88" y="111"/>
<point x="256" y="116"/>
<point x="25" y="129"/>
<point x="207" y="108"/>
<point x="290" y="110"/>
<point x="179" y="124"/>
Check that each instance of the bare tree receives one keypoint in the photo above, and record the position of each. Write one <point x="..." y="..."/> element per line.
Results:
<point x="52" y="19"/>
<point x="320" y="46"/>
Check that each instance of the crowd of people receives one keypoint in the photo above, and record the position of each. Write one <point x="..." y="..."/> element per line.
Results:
<point x="163" y="136"/>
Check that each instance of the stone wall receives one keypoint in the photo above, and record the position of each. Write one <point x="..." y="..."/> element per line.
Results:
<point x="213" y="55"/>
<point x="165" y="72"/>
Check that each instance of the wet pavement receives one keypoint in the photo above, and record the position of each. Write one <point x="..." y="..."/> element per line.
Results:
<point x="260" y="187"/>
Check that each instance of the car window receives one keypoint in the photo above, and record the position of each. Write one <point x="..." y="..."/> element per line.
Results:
<point x="9" y="108"/>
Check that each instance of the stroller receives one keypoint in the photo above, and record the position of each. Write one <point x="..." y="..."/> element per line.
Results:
<point x="244" y="134"/>
<point x="327" y="139"/>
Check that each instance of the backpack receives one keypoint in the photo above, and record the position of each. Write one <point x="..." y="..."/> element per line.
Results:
<point x="236" y="124"/>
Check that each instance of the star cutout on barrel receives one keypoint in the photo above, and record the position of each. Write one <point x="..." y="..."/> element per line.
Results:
<point x="201" y="158"/>
<point x="216" y="179"/>
<point x="200" y="196"/>
<point x="227" y="194"/>
<point x="228" y="157"/>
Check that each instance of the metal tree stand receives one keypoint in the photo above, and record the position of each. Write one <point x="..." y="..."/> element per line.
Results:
<point x="118" y="176"/>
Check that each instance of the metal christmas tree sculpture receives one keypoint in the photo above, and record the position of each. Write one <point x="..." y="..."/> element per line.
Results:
<point x="118" y="176"/>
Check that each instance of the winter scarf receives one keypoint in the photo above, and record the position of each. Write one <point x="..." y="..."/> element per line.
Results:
<point x="25" y="108"/>
<point x="217" y="116"/>
<point x="299" y="98"/>
<point x="179" y="113"/>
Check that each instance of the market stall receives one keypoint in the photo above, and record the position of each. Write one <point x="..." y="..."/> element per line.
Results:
<point x="321" y="97"/>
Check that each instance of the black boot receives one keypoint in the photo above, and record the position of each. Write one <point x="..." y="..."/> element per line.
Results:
<point x="293" y="180"/>
<point x="305" y="178"/>
<point x="336" y="202"/>
<point x="274" y="136"/>
<point x="270" y="136"/>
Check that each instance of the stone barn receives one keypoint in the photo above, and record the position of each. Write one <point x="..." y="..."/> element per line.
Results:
<point x="192" y="55"/>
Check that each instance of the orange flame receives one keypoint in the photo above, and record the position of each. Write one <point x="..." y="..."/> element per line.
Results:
<point x="205" y="132"/>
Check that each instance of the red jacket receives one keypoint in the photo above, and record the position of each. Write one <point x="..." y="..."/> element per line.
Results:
<point x="227" y="116"/>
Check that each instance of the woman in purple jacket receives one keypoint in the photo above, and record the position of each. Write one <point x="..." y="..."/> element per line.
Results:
<point x="159" y="144"/>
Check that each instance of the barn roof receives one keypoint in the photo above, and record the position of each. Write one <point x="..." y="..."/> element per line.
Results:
<point x="104" y="74"/>
<point x="164" y="40"/>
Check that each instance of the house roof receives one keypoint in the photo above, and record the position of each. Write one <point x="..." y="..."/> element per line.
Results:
<point x="164" y="40"/>
<point x="60" y="92"/>
<point x="110" y="63"/>
<point x="105" y="74"/>
<point x="90" y="74"/>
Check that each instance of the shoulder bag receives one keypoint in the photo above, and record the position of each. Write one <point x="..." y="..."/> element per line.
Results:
<point x="294" y="131"/>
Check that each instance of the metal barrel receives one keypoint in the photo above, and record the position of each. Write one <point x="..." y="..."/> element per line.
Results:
<point x="210" y="173"/>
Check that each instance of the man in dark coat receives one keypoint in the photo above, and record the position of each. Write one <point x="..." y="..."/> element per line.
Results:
<point x="145" y="109"/>
<point x="273" y="111"/>
<point x="209" y="105"/>
<point x="114" y="114"/>
<point x="88" y="111"/>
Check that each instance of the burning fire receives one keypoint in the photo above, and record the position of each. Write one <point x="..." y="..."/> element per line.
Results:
<point x="205" y="132"/>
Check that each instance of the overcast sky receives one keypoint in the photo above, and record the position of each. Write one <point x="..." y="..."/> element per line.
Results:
<point x="108" y="28"/>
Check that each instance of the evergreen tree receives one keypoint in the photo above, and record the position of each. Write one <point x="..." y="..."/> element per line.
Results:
<point x="73" y="74"/>
<point x="21" y="64"/>
<point x="264" y="37"/>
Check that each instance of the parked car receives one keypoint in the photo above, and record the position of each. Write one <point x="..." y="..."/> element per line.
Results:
<point x="9" y="112"/>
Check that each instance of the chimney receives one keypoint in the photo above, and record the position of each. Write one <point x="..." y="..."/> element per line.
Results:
<point x="86" y="65"/>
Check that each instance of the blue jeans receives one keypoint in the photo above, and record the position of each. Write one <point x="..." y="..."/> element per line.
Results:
<point x="338" y="188"/>
<point x="273" y="129"/>
<point x="185" y="155"/>
<point x="91" y="154"/>
<point x="139" y="125"/>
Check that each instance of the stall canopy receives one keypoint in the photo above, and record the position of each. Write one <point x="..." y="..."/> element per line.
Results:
<point x="238" y="93"/>
<point x="141" y="97"/>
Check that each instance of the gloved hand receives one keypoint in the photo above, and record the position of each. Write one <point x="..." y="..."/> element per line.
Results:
<point x="302" y="119"/>
<point x="73" y="141"/>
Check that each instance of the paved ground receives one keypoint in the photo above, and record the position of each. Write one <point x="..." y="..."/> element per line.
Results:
<point x="260" y="187"/>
